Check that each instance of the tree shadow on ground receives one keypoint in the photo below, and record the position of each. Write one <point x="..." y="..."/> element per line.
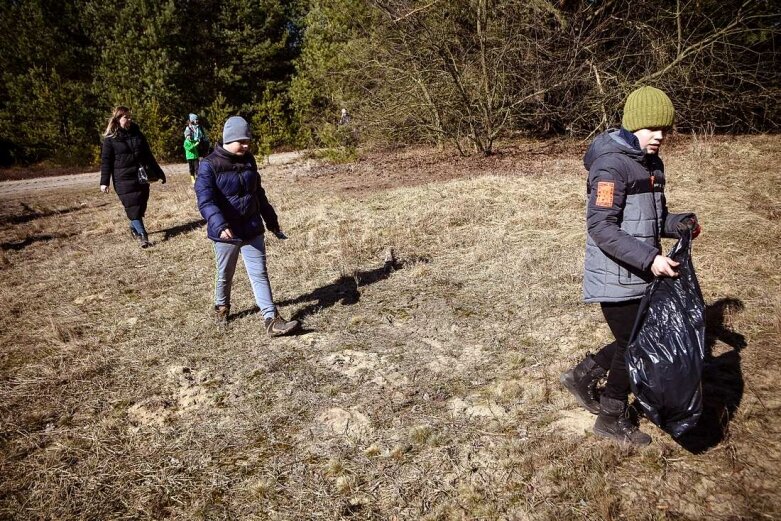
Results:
<point x="20" y="245"/>
<point x="343" y="290"/>
<point x="33" y="214"/>
<point x="170" y="233"/>
<point x="722" y="379"/>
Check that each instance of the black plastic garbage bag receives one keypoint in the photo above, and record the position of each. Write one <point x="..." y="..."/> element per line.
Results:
<point x="665" y="355"/>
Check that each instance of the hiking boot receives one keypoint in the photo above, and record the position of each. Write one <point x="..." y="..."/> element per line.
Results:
<point x="221" y="315"/>
<point x="143" y="240"/>
<point x="582" y="380"/>
<point x="614" y="423"/>
<point x="278" y="326"/>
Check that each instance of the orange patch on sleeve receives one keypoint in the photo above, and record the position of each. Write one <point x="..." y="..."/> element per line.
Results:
<point x="605" y="194"/>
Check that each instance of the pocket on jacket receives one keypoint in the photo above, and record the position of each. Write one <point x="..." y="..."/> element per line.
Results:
<point x="627" y="277"/>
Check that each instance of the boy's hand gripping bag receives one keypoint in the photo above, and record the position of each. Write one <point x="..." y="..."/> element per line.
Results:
<point x="665" y="355"/>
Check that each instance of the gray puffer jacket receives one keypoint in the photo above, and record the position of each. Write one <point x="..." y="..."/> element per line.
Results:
<point x="626" y="217"/>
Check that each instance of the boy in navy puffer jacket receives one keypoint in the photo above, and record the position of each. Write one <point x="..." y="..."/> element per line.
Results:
<point x="627" y="217"/>
<point x="235" y="207"/>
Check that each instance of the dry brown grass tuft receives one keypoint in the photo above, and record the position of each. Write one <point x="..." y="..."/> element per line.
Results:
<point x="428" y="391"/>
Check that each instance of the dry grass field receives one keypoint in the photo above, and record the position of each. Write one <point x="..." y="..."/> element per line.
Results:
<point x="428" y="391"/>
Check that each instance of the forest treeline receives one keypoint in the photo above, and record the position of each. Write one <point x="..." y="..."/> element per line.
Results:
<point x="449" y="72"/>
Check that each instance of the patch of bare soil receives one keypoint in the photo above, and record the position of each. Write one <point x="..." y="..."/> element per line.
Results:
<point x="17" y="173"/>
<point x="387" y="169"/>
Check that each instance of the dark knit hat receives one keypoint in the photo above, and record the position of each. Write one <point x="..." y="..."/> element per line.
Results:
<point x="235" y="129"/>
<point x="648" y="107"/>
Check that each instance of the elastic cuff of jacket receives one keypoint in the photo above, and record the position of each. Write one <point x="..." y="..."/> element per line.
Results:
<point x="650" y="260"/>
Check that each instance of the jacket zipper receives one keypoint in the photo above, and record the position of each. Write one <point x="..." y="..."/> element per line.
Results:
<point x="657" y="235"/>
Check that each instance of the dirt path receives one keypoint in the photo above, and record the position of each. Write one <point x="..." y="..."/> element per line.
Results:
<point x="10" y="190"/>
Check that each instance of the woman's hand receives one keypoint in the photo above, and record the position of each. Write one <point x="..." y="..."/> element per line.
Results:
<point x="104" y="189"/>
<point x="664" y="266"/>
<point x="226" y="234"/>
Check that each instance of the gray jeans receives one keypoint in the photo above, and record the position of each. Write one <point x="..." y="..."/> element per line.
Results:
<point x="253" y="252"/>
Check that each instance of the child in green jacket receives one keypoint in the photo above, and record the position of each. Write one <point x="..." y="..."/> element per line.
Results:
<point x="194" y="137"/>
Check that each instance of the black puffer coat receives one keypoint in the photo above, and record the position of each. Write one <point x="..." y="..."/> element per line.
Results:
<point x="120" y="158"/>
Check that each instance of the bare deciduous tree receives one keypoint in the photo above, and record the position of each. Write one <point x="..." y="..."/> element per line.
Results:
<point x="467" y="71"/>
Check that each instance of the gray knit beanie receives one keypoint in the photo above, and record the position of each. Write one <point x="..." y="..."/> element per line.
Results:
<point x="235" y="129"/>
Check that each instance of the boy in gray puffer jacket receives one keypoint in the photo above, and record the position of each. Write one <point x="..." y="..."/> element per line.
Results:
<point x="626" y="218"/>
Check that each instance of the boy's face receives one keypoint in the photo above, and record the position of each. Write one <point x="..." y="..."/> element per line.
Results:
<point x="238" y="147"/>
<point x="650" y="139"/>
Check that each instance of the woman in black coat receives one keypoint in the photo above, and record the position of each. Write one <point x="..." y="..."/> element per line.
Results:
<point x="124" y="150"/>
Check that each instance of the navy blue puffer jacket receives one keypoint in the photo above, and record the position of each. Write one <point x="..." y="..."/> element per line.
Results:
<point x="230" y="196"/>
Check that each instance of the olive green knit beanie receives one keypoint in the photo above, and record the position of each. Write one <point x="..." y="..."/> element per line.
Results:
<point x="648" y="107"/>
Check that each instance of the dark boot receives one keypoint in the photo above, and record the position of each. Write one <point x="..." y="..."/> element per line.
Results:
<point x="278" y="326"/>
<point x="614" y="423"/>
<point x="143" y="240"/>
<point x="221" y="315"/>
<point x="582" y="380"/>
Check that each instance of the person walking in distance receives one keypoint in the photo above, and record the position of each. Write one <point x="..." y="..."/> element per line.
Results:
<point x="234" y="204"/>
<point x="344" y="117"/>
<point x="124" y="152"/>
<point x="626" y="218"/>
<point x="195" y="144"/>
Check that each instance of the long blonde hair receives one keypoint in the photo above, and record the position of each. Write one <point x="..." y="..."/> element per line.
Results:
<point x="113" y="121"/>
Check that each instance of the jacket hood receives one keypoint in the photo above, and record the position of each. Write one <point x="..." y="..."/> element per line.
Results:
<point x="610" y="142"/>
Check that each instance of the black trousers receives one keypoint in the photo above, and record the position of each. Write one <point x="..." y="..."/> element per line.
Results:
<point x="193" y="164"/>
<point x="620" y="317"/>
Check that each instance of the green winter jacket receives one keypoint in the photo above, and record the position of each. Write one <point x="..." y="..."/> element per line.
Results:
<point x="191" y="149"/>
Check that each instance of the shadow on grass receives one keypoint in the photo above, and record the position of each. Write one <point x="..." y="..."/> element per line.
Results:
<point x="33" y="214"/>
<point x="32" y="239"/>
<point x="722" y="379"/>
<point x="343" y="290"/>
<point x="170" y="233"/>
